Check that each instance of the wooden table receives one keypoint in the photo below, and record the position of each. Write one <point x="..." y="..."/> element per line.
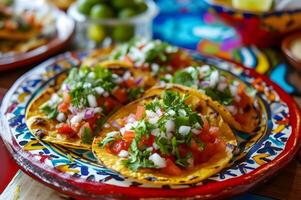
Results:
<point x="285" y="185"/>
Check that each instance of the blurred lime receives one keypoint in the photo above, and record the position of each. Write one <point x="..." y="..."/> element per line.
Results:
<point x="122" y="33"/>
<point x="141" y="7"/>
<point x="96" y="33"/>
<point x="253" y="5"/>
<point x="126" y="13"/>
<point x="100" y="11"/>
<point x="84" y="6"/>
<point x="119" y="4"/>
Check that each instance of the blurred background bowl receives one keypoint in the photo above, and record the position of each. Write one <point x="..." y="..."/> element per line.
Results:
<point x="291" y="47"/>
<point x="102" y="32"/>
<point x="259" y="28"/>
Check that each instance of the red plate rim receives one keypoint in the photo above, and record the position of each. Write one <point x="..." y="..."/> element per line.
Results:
<point x="208" y="191"/>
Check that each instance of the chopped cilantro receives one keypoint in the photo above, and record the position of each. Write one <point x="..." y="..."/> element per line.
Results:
<point x="50" y="111"/>
<point x="87" y="137"/>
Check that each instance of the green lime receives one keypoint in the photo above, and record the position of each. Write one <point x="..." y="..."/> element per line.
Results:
<point x="100" y="11"/>
<point x="84" y="6"/>
<point x="119" y="4"/>
<point x="141" y="7"/>
<point x="123" y="33"/>
<point x="126" y="13"/>
<point x="96" y="33"/>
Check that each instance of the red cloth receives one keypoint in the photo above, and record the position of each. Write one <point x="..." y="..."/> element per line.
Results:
<point x="8" y="167"/>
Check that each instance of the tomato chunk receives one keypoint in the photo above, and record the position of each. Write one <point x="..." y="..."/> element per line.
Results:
<point x="119" y="145"/>
<point x="128" y="136"/>
<point x="171" y="168"/>
<point x="121" y="95"/>
<point x="63" y="107"/>
<point x="66" y="129"/>
<point x="140" y="112"/>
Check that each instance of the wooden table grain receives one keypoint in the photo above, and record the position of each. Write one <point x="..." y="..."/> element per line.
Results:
<point x="285" y="185"/>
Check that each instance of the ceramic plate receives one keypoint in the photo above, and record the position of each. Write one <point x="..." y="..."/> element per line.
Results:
<point x="77" y="173"/>
<point x="64" y="27"/>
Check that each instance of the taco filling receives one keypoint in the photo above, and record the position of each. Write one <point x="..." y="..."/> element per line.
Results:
<point x="167" y="136"/>
<point x="84" y="100"/>
<point x="236" y="97"/>
<point x="152" y="55"/>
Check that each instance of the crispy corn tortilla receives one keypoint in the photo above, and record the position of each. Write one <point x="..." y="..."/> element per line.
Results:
<point x="200" y="172"/>
<point x="253" y="116"/>
<point x="45" y="128"/>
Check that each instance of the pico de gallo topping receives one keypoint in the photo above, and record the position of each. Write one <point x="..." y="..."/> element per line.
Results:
<point x="86" y="96"/>
<point x="165" y="134"/>
<point x="152" y="55"/>
<point x="234" y="95"/>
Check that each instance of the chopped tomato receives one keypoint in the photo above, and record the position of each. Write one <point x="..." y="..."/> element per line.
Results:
<point x="147" y="141"/>
<point x="140" y="112"/>
<point x="194" y="146"/>
<point x="241" y="118"/>
<point x="92" y="120"/>
<point x="110" y="104"/>
<point x="206" y="154"/>
<point x="183" y="150"/>
<point x="120" y="94"/>
<point x="220" y="146"/>
<point x="66" y="129"/>
<point x="130" y="83"/>
<point x="129" y="135"/>
<point x="171" y="168"/>
<point x="205" y="128"/>
<point x="180" y="59"/>
<point x="63" y="107"/>
<point x="119" y="145"/>
<point x="207" y="137"/>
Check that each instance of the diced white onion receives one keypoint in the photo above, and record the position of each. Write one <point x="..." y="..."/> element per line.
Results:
<point x="155" y="67"/>
<point x="170" y="125"/>
<point x="184" y="130"/>
<point x="150" y="114"/>
<point x="99" y="90"/>
<point x="91" y="75"/>
<point x="87" y="85"/>
<point x="203" y="69"/>
<point x="97" y="110"/>
<point x="182" y="112"/>
<point x="77" y="118"/>
<point x="195" y="131"/>
<point x="112" y="134"/>
<point x="92" y="101"/>
<point x="232" y="109"/>
<point x="213" y="79"/>
<point x="126" y="75"/>
<point x="153" y="120"/>
<point x="233" y="90"/>
<point x="158" y="160"/>
<point x="123" y="154"/>
<point x="171" y="112"/>
<point x="221" y="86"/>
<point x="61" y="117"/>
<point x="106" y="94"/>
<point x="155" y="132"/>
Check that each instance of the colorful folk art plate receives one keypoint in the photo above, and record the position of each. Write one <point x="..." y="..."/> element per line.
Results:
<point x="77" y="173"/>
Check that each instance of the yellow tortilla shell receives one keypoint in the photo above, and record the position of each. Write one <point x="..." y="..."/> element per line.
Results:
<point x="199" y="173"/>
